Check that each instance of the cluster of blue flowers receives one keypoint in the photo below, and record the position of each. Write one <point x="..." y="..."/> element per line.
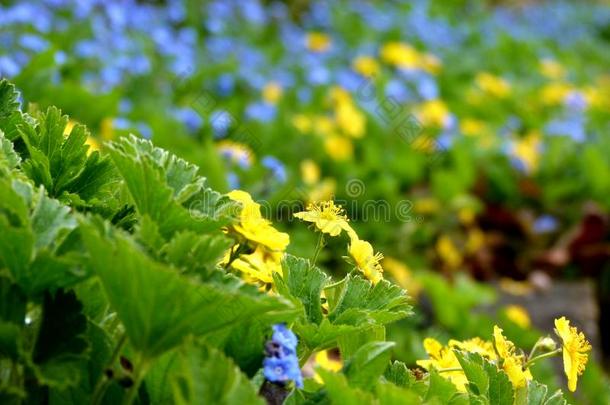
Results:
<point x="281" y="364"/>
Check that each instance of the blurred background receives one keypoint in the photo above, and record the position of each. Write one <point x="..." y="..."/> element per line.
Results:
<point x="469" y="141"/>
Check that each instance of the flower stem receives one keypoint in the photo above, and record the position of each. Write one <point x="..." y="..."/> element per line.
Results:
<point x="447" y="370"/>
<point x="139" y="371"/>
<point x="542" y="356"/>
<point x="337" y="284"/>
<point x="319" y="247"/>
<point x="104" y="382"/>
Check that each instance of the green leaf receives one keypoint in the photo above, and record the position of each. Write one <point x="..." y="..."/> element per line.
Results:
<point x="61" y="346"/>
<point x="398" y="374"/>
<point x="340" y="392"/>
<point x="194" y="252"/>
<point x="362" y="303"/>
<point x="303" y="282"/>
<point x="8" y="156"/>
<point x="365" y="367"/>
<point x="440" y="389"/>
<point x="60" y="163"/>
<point x="500" y="388"/>
<point x="10" y="116"/>
<point x="159" y="183"/>
<point x="389" y="394"/>
<point x="201" y="375"/>
<point x="159" y="308"/>
<point x="537" y="394"/>
<point x="473" y="366"/>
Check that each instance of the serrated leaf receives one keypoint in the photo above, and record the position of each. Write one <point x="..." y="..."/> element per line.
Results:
<point x="159" y="183"/>
<point x="473" y="366"/>
<point x="537" y="394"/>
<point x="8" y="156"/>
<point x="195" y="252"/>
<point x="440" y="388"/>
<point x="365" y="367"/>
<point x="10" y="116"/>
<point x="361" y="302"/>
<point x="140" y="290"/>
<point x="500" y="388"/>
<point x="398" y="374"/>
<point x="389" y="394"/>
<point x="303" y="282"/>
<point x="61" y="163"/>
<point x="339" y="392"/>
<point x="203" y="375"/>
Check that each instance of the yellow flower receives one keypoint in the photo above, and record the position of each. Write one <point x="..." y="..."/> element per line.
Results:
<point x="475" y="345"/>
<point x="472" y="127"/>
<point x="526" y="149"/>
<point x="259" y="266"/>
<point x="339" y="147"/>
<point x="443" y="358"/>
<point x="403" y="275"/>
<point x="351" y="121"/>
<point x="433" y="113"/>
<point x="366" y="260"/>
<point x="493" y="85"/>
<point x="400" y="54"/>
<point x="475" y="241"/>
<point x="518" y="315"/>
<point x="554" y="93"/>
<point x="367" y="66"/>
<point x="327" y="217"/>
<point x="512" y="364"/>
<point x="317" y="41"/>
<point x="323" y="125"/>
<point x="253" y="227"/>
<point x="93" y="144"/>
<point x="324" y="359"/>
<point x="107" y="129"/>
<point x="575" y="348"/>
<point x="310" y="172"/>
<point x="551" y="69"/>
<point x="448" y="252"/>
<point x="272" y="92"/>
<point x="427" y="206"/>
<point x="302" y="123"/>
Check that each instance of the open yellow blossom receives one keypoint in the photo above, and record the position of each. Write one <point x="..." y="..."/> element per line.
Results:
<point x="259" y="266"/>
<point x="448" y="252"/>
<point x="326" y="360"/>
<point x="512" y="364"/>
<point x="472" y="127"/>
<point x="351" y="121"/>
<point x="302" y="123"/>
<point x="327" y="217"/>
<point x="433" y="113"/>
<point x="310" y="172"/>
<point x="475" y="345"/>
<point x="575" y="348"/>
<point x="338" y="147"/>
<point x="367" y="66"/>
<point x="323" y="125"/>
<point x="366" y="260"/>
<point x="551" y="69"/>
<point x="518" y="315"/>
<point x="443" y="358"/>
<point x="317" y="41"/>
<point x="527" y="150"/>
<point x="401" y="55"/>
<point x="493" y="85"/>
<point x="554" y="93"/>
<point x="253" y="227"/>
<point x="272" y="92"/>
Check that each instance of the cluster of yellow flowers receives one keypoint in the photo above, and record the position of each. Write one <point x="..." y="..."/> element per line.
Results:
<point x="338" y="129"/>
<point x="330" y="219"/>
<point x="260" y="247"/>
<point x="508" y="358"/>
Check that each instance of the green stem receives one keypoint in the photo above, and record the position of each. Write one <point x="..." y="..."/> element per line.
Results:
<point x="319" y="247"/>
<point x="337" y="284"/>
<point x="104" y="382"/>
<point x="139" y="371"/>
<point x="535" y="348"/>
<point x="542" y="356"/>
<point x="233" y="255"/>
<point x="447" y="370"/>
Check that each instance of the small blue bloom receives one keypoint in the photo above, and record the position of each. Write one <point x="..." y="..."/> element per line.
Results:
<point x="190" y="118"/>
<point x="262" y="112"/>
<point x="276" y="167"/>
<point x="281" y="363"/>
<point x="545" y="224"/>
<point x="284" y="336"/>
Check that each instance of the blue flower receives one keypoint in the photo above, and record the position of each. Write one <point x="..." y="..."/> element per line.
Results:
<point x="281" y="363"/>
<point x="277" y="168"/>
<point x="284" y="336"/>
<point x="545" y="224"/>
